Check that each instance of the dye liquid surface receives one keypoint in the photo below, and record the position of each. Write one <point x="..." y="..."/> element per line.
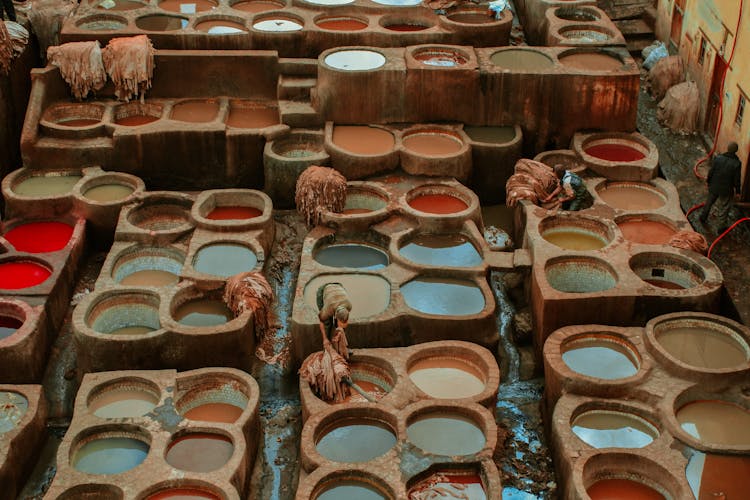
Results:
<point x="9" y="326"/>
<point x="215" y="412"/>
<point x="224" y="260"/>
<point x="352" y="255"/>
<point x="452" y="250"/>
<point x="356" y="442"/>
<point x="199" y="452"/>
<point x="600" y="359"/>
<point x="363" y="140"/>
<point x="615" y="152"/>
<point x="612" y="429"/>
<point x="703" y="347"/>
<point x="716" y="423"/>
<point x="203" y="313"/>
<point x="446" y="378"/>
<point x="571" y="239"/>
<point x="432" y="144"/>
<point x="443" y="296"/>
<point x="446" y="435"/>
<point x="19" y="274"/>
<point x="438" y="204"/>
<point x="233" y="213"/>
<point x="46" y="185"/>
<point x="622" y="489"/>
<point x="149" y="277"/>
<point x="646" y="232"/>
<point x="110" y="455"/>
<point x="40" y="237"/>
<point x="714" y="476"/>
<point x="108" y="192"/>
<point x="13" y="406"/>
<point x="122" y="403"/>
<point x="630" y="197"/>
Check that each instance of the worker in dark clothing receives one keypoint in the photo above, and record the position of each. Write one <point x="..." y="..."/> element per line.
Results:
<point x="575" y="195"/>
<point x="723" y="184"/>
<point x="10" y="11"/>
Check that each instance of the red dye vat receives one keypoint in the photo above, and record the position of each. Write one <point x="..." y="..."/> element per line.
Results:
<point x="622" y="489"/>
<point x="615" y="152"/>
<point x="183" y="494"/>
<point x="438" y="204"/>
<point x="406" y="27"/>
<point x="233" y="213"/>
<point x="22" y="274"/>
<point x="40" y="237"/>
<point x="342" y="25"/>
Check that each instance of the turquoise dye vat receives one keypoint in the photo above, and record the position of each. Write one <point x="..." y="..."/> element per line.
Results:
<point x="224" y="260"/>
<point x="110" y="455"/>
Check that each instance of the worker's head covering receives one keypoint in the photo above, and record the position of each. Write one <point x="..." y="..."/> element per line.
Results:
<point x="732" y="147"/>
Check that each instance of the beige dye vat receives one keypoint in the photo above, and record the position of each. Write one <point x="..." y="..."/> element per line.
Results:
<point x="592" y="61"/>
<point x="646" y="232"/>
<point x="704" y="347"/>
<point x="521" y="60"/>
<point x="106" y="193"/>
<point x="631" y="197"/>
<point x="132" y="330"/>
<point x="252" y="116"/>
<point x="573" y="239"/>
<point x="446" y="378"/>
<point x="432" y="144"/>
<point x="447" y="434"/>
<point x="149" y="277"/>
<point x="46" y="185"/>
<point x="718" y="423"/>
<point x="363" y="140"/>
<point x="199" y="452"/>
<point x="125" y="402"/>
<point x="369" y="294"/>
<point x="203" y="313"/>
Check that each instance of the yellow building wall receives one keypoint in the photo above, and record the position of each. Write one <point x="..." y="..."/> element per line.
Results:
<point x="716" y="20"/>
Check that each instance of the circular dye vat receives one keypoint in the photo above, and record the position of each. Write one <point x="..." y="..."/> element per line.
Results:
<point x="449" y="484"/>
<point x="350" y="490"/>
<point x="224" y="259"/>
<point x="362" y="202"/>
<point x="600" y="357"/>
<point x="521" y="60"/>
<point x="595" y="61"/>
<point x="369" y="294"/>
<point x="233" y="213"/>
<point x="187" y="6"/>
<point x="712" y="476"/>
<point x="446" y="434"/>
<point x="580" y="276"/>
<point x="195" y="111"/>
<point x="668" y="271"/>
<point x="78" y="122"/>
<point x="405" y="27"/>
<point x="278" y="25"/>
<point x="107" y="193"/>
<point x="356" y="255"/>
<point x="613" y="429"/>
<point x="46" y="185"/>
<point x="160" y="22"/>
<point x="491" y="135"/>
<point x="149" y="277"/>
<point x="443" y="296"/>
<point x="572" y="238"/>
<point x="160" y="217"/>
<point x="256" y="6"/>
<point x="442" y="250"/>
<point x="341" y="24"/>
<point x="136" y="120"/>
<point x="469" y="16"/>
<point x="203" y="313"/>
<point x="704" y="347"/>
<point x="215" y="412"/>
<point x="123" y="402"/>
<point x="13" y="406"/>
<point x="18" y="274"/>
<point x="354" y="441"/>
<point x="438" y="204"/>
<point x="446" y="378"/>
<point x="221" y="27"/>
<point x="126" y="314"/>
<point x="432" y="143"/>
<point x="355" y="60"/>
<point x="40" y="237"/>
<point x="371" y="380"/>
<point x="631" y="196"/>
<point x="440" y="57"/>
<point x="102" y="23"/>
<point x="110" y="455"/>
<point x="150" y="268"/>
<point x="646" y="232"/>
<point x="132" y="330"/>
<point x="615" y="152"/>
<point x="622" y="489"/>
<point x="199" y="452"/>
<point x="254" y="115"/>
<point x="716" y="423"/>
<point x="363" y="140"/>
<point x="9" y="326"/>
<point x="183" y="494"/>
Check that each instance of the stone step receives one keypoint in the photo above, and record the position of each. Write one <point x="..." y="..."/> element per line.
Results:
<point x="295" y="88"/>
<point x="299" y="114"/>
<point x="649" y="17"/>
<point x="634" y="27"/>
<point x="298" y="66"/>
<point x="636" y="45"/>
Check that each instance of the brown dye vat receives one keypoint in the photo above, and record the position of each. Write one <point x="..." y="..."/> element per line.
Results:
<point x="106" y="193"/>
<point x="176" y="5"/>
<point x="646" y="232"/>
<point x="717" y="423"/>
<point x="571" y="239"/>
<point x="432" y="144"/>
<point x="203" y="313"/>
<point x="703" y="347"/>
<point x="448" y="485"/>
<point x="199" y="452"/>
<point x="205" y="26"/>
<point x="622" y="489"/>
<point x="149" y="277"/>
<point x="369" y="294"/>
<point x="215" y="412"/>
<point x="471" y="18"/>
<point x="341" y="24"/>
<point x="183" y="494"/>
<point x="136" y="120"/>
<point x="256" y="6"/>
<point x="631" y="197"/>
<point x="721" y="477"/>
<point x="123" y="403"/>
<point x="523" y="60"/>
<point x="491" y="135"/>
<point x="438" y="204"/>
<point x="372" y="389"/>
<point x="159" y="22"/>
<point x="446" y="378"/>
<point x="195" y="111"/>
<point x="46" y="185"/>
<point x="78" y="122"/>
<point x="253" y="116"/>
<point x="591" y="61"/>
<point x="234" y="213"/>
<point x="405" y="27"/>
<point x="363" y="140"/>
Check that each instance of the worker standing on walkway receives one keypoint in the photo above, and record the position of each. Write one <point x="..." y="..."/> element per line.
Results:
<point x="723" y="184"/>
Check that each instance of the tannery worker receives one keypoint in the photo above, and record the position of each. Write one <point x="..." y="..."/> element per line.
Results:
<point x="334" y="307"/>
<point x="575" y="195"/>
<point x="723" y="182"/>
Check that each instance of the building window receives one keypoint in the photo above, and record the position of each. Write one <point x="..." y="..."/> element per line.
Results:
<point x="702" y="50"/>
<point x="740" y="110"/>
